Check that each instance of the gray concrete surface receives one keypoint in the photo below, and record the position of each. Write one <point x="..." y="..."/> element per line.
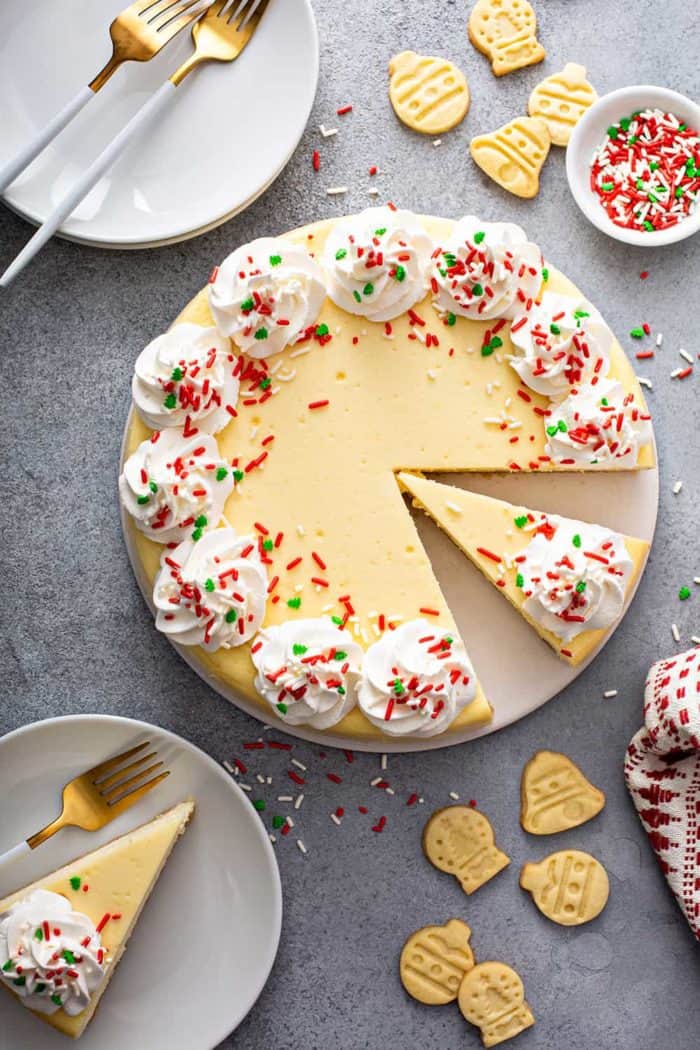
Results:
<point x="77" y="637"/>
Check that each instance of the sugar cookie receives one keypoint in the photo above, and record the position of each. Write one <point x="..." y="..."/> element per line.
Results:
<point x="492" y="997"/>
<point x="505" y="30"/>
<point x="428" y="94"/>
<point x="561" y="100"/>
<point x="434" y="960"/>
<point x="460" y="840"/>
<point x="569" y="887"/>
<point x="555" y="795"/>
<point x="514" y="154"/>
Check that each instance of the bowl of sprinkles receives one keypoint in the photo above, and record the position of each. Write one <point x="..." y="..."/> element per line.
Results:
<point x="633" y="165"/>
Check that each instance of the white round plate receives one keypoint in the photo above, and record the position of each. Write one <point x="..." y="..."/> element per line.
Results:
<point x="518" y="671"/>
<point x="228" y="133"/>
<point x="219" y="892"/>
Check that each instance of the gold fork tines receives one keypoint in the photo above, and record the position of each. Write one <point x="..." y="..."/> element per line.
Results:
<point x="222" y="33"/>
<point x="96" y="797"/>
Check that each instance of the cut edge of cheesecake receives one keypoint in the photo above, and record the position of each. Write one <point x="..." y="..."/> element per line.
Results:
<point x="175" y="821"/>
<point x="436" y="500"/>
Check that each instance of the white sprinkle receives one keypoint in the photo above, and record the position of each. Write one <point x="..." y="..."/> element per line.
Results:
<point x="431" y="373"/>
<point x="260" y="778"/>
<point x="659" y="339"/>
<point x="302" y="847"/>
<point x="286" y="377"/>
<point x="327" y="608"/>
<point x="383" y="761"/>
<point x="437" y="142"/>
<point x="298" y="764"/>
<point x="489" y="389"/>
<point x="336" y="820"/>
<point x="677" y="487"/>
<point x="645" y="382"/>
<point x="327" y="132"/>
<point x="676" y="633"/>
<point x="298" y="587"/>
<point x="336" y="191"/>
<point x="696" y="579"/>
<point x="676" y="372"/>
<point x="272" y="838"/>
<point x="301" y="531"/>
<point x="454" y="508"/>
<point x="285" y="798"/>
<point x="686" y="356"/>
<point x="421" y="801"/>
<point x="389" y="791"/>
<point x="290" y="822"/>
<point x="228" y="767"/>
<point x="610" y="693"/>
<point x="268" y="780"/>
<point x="373" y="783"/>
<point x="374" y="192"/>
<point x="454" y="795"/>
<point x="300" y="799"/>
<point x="245" y="787"/>
<point x="694" y="639"/>
<point x="302" y="350"/>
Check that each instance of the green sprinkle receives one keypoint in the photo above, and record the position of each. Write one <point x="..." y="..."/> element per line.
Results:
<point x="275" y="260"/>
<point x="368" y="288"/>
<point x="277" y="822"/>
<point x="238" y="475"/>
<point x="282" y="708"/>
<point x="340" y="655"/>
<point x="682" y="127"/>
<point x="268" y="545"/>
<point x="294" y="603"/>
<point x="612" y="132"/>
<point x="637" y="333"/>
<point x="684" y="593"/>
<point x="653" y="198"/>
<point x="562" y="427"/>
<point x="261" y="333"/>
<point x="322" y="329"/>
<point x="604" y="401"/>
<point x="247" y="305"/>
<point x="607" y="186"/>
<point x="477" y="289"/>
<point x="143" y="499"/>
<point x="545" y="274"/>
<point x="520" y="521"/>
<point x="400" y="273"/>
<point x="552" y="429"/>
<point x="632" y="139"/>
<point x="448" y="640"/>
<point x="451" y="320"/>
<point x="75" y="882"/>
<point x="298" y="649"/>
<point x="221" y="473"/>
<point x="152" y="486"/>
<point x="625" y="123"/>
<point x="341" y="690"/>
<point x="337" y="620"/>
<point x="201" y="521"/>
<point x="38" y="934"/>
<point x="19" y="982"/>
<point x="478" y="237"/>
<point x="39" y="988"/>
<point x="265" y="383"/>
<point x="450" y="259"/>
<point x="640" y="184"/>
<point x="654" y="165"/>
<point x="555" y="329"/>
<point x="341" y="253"/>
<point x="356" y="296"/>
<point x="679" y="192"/>
<point x="176" y="374"/>
<point x="519" y="581"/>
<point x="492" y="345"/>
<point x="259" y="804"/>
<point x="68" y="956"/>
<point x="56" y="999"/>
<point x="398" y="687"/>
<point x="8" y="966"/>
<point x="648" y="226"/>
<point x="581" y="313"/>
<point x="231" y="616"/>
<point x="170" y="401"/>
<point x="197" y="535"/>
<point x="209" y="585"/>
<point x="576" y="540"/>
<point x="380" y="232"/>
<point x="580" y="586"/>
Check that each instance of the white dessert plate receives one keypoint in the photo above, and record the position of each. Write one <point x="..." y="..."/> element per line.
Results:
<point x="518" y="671"/>
<point x="229" y="132"/>
<point x="206" y="941"/>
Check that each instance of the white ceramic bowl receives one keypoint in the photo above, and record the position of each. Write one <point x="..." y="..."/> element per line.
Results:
<point x="590" y="132"/>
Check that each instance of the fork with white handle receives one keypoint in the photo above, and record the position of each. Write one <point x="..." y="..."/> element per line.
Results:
<point x="138" y="34"/>
<point x="219" y="36"/>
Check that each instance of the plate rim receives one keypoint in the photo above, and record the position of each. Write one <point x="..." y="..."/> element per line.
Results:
<point x="137" y="723"/>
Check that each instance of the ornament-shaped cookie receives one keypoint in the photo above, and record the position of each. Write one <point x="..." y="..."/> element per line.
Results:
<point x="492" y="997"/>
<point x="513" y="155"/>
<point x="555" y="795"/>
<point x="428" y="94"/>
<point x="506" y="31"/>
<point x="561" y="100"/>
<point x="434" y="960"/>
<point x="569" y="887"/>
<point x="460" y="840"/>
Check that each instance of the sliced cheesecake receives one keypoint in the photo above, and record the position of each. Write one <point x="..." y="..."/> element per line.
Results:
<point x="62" y="936"/>
<point x="567" y="578"/>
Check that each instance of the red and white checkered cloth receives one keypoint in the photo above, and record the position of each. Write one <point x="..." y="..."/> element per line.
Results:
<point x="662" y="770"/>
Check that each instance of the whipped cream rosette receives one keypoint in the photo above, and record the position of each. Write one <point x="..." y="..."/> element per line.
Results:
<point x="562" y="343"/>
<point x="597" y="426"/>
<point x="212" y="592"/>
<point x="175" y="487"/>
<point x="266" y="295"/>
<point x="307" y="671"/>
<point x="50" y="955"/>
<point x="377" y="263"/>
<point x="415" y="680"/>
<point x="187" y="372"/>
<point x="486" y="270"/>
<point x="574" y="576"/>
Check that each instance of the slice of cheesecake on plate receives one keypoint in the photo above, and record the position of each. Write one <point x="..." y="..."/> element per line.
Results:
<point x="62" y="936"/>
<point x="569" y="579"/>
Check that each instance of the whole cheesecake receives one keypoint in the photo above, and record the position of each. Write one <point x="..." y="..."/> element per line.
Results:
<point x="272" y="420"/>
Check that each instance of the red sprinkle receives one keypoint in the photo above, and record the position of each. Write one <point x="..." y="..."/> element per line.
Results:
<point x="319" y="404"/>
<point x="316" y="160"/>
<point x="343" y="110"/>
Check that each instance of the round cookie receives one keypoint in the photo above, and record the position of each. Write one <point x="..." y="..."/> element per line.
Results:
<point x="428" y="94"/>
<point x="513" y="155"/>
<point x="492" y="997"/>
<point x="561" y="100"/>
<point x="460" y="841"/>
<point x="569" y="887"/>
<point x="434" y="960"/>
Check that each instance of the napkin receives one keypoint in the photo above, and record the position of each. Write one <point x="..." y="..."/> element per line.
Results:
<point x="662" y="770"/>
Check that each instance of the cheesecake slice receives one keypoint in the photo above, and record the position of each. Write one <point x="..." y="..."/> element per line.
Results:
<point x="567" y="578"/>
<point x="62" y="936"/>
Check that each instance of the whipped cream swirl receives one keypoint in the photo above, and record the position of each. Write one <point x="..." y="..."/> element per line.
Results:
<point x="486" y="270"/>
<point x="574" y="576"/>
<point x="266" y="295"/>
<point x="377" y="263"/>
<point x="213" y="592"/>
<point x="307" y="671"/>
<point x="50" y="955"/>
<point x="597" y="426"/>
<point x="562" y="343"/>
<point x="415" y="680"/>
<point x="189" y="371"/>
<point x="175" y="487"/>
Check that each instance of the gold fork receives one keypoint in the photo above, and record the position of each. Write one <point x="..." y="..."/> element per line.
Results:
<point x="220" y="36"/>
<point x="96" y="797"/>
<point x="138" y="34"/>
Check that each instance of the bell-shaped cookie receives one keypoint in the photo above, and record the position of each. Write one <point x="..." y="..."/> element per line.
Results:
<point x="505" y="30"/>
<point x="569" y="887"/>
<point x="434" y="960"/>
<point x="561" y="100"/>
<point x="492" y="997"/>
<point x="428" y="94"/>
<point x="460" y="840"/>
<point x="555" y="795"/>
<point x="514" y="154"/>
